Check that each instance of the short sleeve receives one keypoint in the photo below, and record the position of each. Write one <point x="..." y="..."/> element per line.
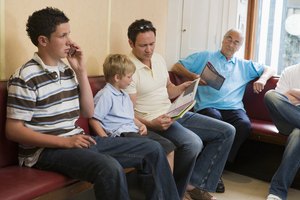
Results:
<point x="103" y="104"/>
<point x="195" y="62"/>
<point x="21" y="100"/>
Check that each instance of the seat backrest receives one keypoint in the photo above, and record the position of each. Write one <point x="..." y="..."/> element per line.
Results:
<point x="254" y="103"/>
<point x="8" y="149"/>
<point x="96" y="83"/>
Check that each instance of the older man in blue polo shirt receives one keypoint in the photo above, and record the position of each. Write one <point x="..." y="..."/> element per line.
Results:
<point x="226" y="103"/>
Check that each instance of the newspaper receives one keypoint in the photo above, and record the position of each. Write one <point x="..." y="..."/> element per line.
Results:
<point x="212" y="77"/>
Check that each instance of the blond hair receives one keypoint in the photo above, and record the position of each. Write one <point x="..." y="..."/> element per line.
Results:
<point x="117" y="64"/>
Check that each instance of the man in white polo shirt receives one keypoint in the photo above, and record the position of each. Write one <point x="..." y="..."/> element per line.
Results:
<point x="150" y="92"/>
<point x="283" y="104"/>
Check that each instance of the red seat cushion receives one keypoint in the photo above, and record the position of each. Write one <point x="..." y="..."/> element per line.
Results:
<point x="27" y="183"/>
<point x="264" y="127"/>
<point x="266" y="132"/>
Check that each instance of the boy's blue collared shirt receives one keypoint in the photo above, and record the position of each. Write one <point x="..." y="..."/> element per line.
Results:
<point x="114" y="109"/>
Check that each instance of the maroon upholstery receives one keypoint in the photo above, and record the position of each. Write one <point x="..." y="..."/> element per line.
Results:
<point x="21" y="183"/>
<point x="263" y="128"/>
<point x="97" y="83"/>
<point x="8" y="149"/>
<point x="254" y="104"/>
<point x="26" y="183"/>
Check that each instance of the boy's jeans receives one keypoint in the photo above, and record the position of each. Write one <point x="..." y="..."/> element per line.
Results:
<point x="103" y="163"/>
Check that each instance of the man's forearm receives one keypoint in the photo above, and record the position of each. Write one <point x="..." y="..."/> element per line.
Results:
<point x="266" y="75"/>
<point x="181" y="70"/>
<point x="293" y="95"/>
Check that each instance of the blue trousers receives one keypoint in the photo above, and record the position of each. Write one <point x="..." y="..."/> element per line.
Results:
<point x="286" y="118"/>
<point x="102" y="164"/>
<point x="239" y="119"/>
<point x="189" y="134"/>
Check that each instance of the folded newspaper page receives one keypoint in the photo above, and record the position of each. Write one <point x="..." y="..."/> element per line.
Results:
<point x="212" y="77"/>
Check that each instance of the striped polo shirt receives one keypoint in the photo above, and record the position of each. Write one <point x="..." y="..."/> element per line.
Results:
<point x="47" y="103"/>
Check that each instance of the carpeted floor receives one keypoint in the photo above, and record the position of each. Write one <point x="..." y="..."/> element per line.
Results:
<point x="259" y="160"/>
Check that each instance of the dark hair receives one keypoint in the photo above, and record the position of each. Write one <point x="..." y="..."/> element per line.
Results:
<point x="44" y="22"/>
<point x="139" y="26"/>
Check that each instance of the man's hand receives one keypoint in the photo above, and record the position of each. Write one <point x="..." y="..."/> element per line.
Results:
<point x="79" y="141"/>
<point x="294" y="96"/>
<point x="184" y="85"/>
<point x="162" y="122"/>
<point x="75" y="59"/>
<point x="202" y="82"/>
<point x="258" y="86"/>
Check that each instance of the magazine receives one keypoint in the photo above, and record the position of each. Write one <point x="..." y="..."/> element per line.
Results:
<point x="212" y="77"/>
<point x="184" y="102"/>
<point x="181" y="110"/>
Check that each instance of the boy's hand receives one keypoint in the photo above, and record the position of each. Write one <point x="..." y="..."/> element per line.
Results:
<point x="103" y="135"/>
<point x="143" y="129"/>
<point x="75" y="58"/>
<point x="80" y="141"/>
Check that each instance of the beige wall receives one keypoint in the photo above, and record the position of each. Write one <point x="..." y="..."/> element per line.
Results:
<point x="98" y="26"/>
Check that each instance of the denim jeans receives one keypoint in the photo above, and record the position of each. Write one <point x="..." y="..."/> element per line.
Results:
<point x="102" y="164"/>
<point x="284" y="114"/>
<point x="241" y="122"/>
<point x="286" y="118"/>
<point x="195" y="133"/>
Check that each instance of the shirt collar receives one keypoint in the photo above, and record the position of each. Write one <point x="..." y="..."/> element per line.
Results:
<point x="114" y="90"/>
<point x="61" y="65"/>
<point x="138" y="63"/>
<point x="220" y="55"/>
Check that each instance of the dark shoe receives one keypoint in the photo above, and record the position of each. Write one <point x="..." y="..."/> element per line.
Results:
<point x="198" y="194"/>
<point x="220" y="186"/>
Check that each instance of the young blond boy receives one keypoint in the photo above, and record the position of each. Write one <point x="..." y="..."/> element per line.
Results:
<point x="114" y="112"/>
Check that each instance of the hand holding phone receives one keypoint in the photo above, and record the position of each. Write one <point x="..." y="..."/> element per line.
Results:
<point x="72" y="51"/>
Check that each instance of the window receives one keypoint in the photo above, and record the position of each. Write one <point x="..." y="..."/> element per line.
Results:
<point x="277" y="31"/>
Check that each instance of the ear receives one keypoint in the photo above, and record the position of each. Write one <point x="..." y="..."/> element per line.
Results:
<point x="131" y="43"/>
<point x="43" y="40"/>
<point x="117" y="78"/>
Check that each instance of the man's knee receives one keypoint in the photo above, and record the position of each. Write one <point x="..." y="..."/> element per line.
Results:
<point x="196" y="146"/>
<point x="270" y="96"/>
<point x="152" y="145"/>
<point x="211" y="112"/>
<point x="193" y="145"/>
<point x="243" y="127"/>
<point x="230" y="132"/>
<point x="106" y="169"/>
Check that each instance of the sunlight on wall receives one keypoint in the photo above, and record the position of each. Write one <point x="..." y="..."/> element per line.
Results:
<point x="2" y="44"/>
<point x="99" y="27"/>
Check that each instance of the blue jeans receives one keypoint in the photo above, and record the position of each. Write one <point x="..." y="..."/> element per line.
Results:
<point x="102" y="164"/>
<point x="195" y="133"/>
<point x="239" y="119"/>
<point x="286" y="118"/>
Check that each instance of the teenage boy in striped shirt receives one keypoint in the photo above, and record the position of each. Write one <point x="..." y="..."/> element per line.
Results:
<point x="45" y="98"/>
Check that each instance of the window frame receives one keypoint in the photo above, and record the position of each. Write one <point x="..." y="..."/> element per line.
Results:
<point x="251" y="29"/>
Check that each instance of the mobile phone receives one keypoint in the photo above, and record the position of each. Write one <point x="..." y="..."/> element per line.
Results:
<point x="72" y="51"/>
